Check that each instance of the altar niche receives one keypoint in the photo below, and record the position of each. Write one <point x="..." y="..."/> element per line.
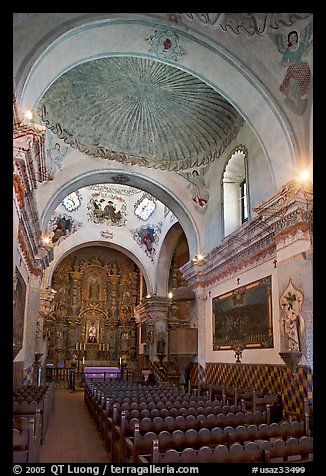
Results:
<point x="97" y="291"/>
<point x="100" y="340"/>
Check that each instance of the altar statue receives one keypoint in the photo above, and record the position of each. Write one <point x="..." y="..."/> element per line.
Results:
<point x="92" y="334"/>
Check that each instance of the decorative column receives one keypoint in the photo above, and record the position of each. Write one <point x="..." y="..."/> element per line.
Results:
<point x="46" y="298"/>
<point x="30" y="326"/>
<point x="154" y="311"/>
<point x="76" y="277"/>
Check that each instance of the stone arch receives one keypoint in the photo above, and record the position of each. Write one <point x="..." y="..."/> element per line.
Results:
<point x="156" y="189"/>
<point x="121" y="36"/>
<point x="166" y="253"/>
<point x="71" y="249"/>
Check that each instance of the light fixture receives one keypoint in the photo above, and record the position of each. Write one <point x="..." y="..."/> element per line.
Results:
<point x="46" y="240"/>
<point x="28" y="115"/>
<point x="170" y="294"/>
<point x="304" y="175"/>
<point x="198" y="258"/>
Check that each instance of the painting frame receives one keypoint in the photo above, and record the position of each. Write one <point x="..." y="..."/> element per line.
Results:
<point x="243" y="317"/>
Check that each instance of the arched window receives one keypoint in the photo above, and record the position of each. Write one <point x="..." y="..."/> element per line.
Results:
<point x="235" y="191"/>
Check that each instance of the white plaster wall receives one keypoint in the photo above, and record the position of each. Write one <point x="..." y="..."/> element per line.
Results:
<point x="260" y="185"/>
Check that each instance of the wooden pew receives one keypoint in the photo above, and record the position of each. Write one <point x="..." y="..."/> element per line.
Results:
<point x="292" y="450"/>
<point x="237" y="453"/>
<point x="180" y="422"/>
<point x="45" y="407"/>
<point x="26" y="439"/>
<point x="140" y="445"/>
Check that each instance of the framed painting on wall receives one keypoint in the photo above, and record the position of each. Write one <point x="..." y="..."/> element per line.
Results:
<point x="243" y="317"/>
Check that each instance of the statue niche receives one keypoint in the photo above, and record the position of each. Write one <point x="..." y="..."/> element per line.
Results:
<point x="92" y="334"/>
<point x="93" y="289"/>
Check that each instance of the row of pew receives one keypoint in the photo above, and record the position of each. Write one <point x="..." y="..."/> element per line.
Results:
<point x="32" y="410"/>
<point x="157" y="424"/>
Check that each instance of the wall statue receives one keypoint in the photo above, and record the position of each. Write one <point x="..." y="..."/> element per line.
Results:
<point x="293" y="323"/>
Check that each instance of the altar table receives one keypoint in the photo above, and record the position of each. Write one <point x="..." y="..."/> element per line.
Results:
<point x="102" y="372"/>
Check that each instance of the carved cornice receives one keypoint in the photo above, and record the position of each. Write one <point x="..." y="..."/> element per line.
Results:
<point x="288" y="214"/>
<point x="154" y="308"/>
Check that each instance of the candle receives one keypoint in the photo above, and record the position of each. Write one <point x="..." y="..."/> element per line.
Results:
<point x="120" y="360"/>
<point x="83" y="360"/>
<point x="107" y="347"/>
<point x="84" y="346"/>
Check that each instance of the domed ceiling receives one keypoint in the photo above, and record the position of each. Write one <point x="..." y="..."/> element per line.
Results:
<point x="137" y="110"/>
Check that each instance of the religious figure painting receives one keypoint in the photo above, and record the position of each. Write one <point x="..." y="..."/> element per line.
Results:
<point x="244" y="316"/>
<point x="55" y="155"/>
<point x="112" y="211"/>
<point x="199" y="191"/>
<point x="61" y="226"/>
<point x="297" y="78"/>
<point x="146" y="236"/>
<point x="92" y="334"/>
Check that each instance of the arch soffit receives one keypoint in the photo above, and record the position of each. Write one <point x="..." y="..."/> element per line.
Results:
<point x="166" y="253"/>
<point x="86" y="244"/>
<point x="186" y="221"/>
<point x="204" y="62"/>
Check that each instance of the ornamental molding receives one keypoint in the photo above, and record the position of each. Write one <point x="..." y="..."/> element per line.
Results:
<point x="248" y="24"/>
<point x="35" y="265"/>
<point x="284" y="218"/>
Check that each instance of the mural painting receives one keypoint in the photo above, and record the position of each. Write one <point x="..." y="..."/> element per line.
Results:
<point x="146" y="237"/>
<point x="244" y="316"/>
<point x="110" y="210"/>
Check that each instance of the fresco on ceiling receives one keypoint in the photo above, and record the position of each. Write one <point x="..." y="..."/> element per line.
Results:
<point x="145" y="206"/>
<point x="61" y="226"/>
<point x="165" y="44"/>
<point x="109" y="210"/>
<point x="245" y="23"/>
<point x="72" y="201"/>
<point x="146" y="236"/>
<point x="198" y="189"/>
<point x="54" y="157"/>
<point x="295" y="84"/>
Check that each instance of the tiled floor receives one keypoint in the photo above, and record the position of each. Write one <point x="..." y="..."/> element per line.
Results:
<point x="72" y="436"/>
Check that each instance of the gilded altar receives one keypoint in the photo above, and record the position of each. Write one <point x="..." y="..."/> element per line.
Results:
<point x="93" y="309"/>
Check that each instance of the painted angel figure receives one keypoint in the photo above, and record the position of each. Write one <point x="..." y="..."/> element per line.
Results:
<point x="296" y="81"/>
<point x="198" y="189"/>
<point x="55" y="154"/>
